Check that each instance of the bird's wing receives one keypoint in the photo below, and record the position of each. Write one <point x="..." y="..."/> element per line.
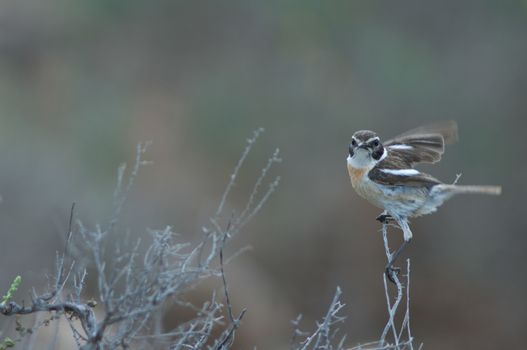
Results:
<point x="424" y="144"/>
<point x="402" y="177"/>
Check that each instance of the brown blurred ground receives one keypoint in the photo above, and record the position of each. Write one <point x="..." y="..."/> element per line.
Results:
<point x="82" y="82"/>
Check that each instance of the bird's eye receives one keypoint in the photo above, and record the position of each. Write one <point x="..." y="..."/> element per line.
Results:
<point x="353" y="143"/>
<point x="375" y="143"/>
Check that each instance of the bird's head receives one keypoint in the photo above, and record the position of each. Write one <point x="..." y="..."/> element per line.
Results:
<point x="365" y="149"/>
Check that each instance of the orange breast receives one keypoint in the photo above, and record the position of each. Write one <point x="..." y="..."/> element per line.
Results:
<point x="356" y="175"/>
<point x="364" y="186"/>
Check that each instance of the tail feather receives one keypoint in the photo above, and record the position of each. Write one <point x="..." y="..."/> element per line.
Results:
<point x="493" y="190"/>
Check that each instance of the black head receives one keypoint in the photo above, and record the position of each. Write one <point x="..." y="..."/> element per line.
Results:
<point x="368" y="140"/>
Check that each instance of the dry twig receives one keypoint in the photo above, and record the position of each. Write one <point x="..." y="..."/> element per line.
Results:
<point x="134" y="284"/>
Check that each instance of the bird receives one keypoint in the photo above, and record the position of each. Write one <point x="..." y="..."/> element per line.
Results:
<point x="383" y="173"/>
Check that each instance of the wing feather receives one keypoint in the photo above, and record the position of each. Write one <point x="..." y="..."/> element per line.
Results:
<point x="447" y="129"/>
<point x="390" y="179"/>
<point x="425" y="144"/>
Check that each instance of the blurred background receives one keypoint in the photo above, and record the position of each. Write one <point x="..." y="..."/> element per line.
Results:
<point x="82" y="82"/>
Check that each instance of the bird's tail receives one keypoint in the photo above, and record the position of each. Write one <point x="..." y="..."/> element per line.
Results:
<point x="494" y="190"/>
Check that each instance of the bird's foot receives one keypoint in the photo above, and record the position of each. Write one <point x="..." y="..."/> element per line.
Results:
<point x="384" y="218"/>
<point x="392" y="273"/>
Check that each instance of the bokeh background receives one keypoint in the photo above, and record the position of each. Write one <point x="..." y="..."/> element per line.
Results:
<point x="81" y="82"/>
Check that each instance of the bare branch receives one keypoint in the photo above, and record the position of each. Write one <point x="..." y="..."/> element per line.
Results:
<point x="137" y="280"/>
<point x="325" y="333"/>
<point x="393" y="307"/>
<point x="234" y="175"/>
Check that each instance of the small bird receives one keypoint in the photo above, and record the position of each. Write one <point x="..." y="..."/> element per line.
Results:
<point x="384" y="174"/>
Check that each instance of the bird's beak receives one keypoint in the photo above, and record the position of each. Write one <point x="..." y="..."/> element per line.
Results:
<point x="363" y="146"/>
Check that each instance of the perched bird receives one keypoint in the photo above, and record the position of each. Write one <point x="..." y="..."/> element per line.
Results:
<point x="383" y="173"/>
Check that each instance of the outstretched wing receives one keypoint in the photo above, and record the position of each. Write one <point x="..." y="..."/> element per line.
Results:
<point x="423" y="144"/>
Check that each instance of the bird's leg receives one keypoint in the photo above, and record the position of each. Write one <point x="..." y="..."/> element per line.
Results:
<point x="390" y="269"/>
<point x="384" y="218"/>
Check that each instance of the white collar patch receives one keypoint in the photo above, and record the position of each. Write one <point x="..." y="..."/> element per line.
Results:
<point x="400" y="147"/>
<point x="401" y="172"/>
